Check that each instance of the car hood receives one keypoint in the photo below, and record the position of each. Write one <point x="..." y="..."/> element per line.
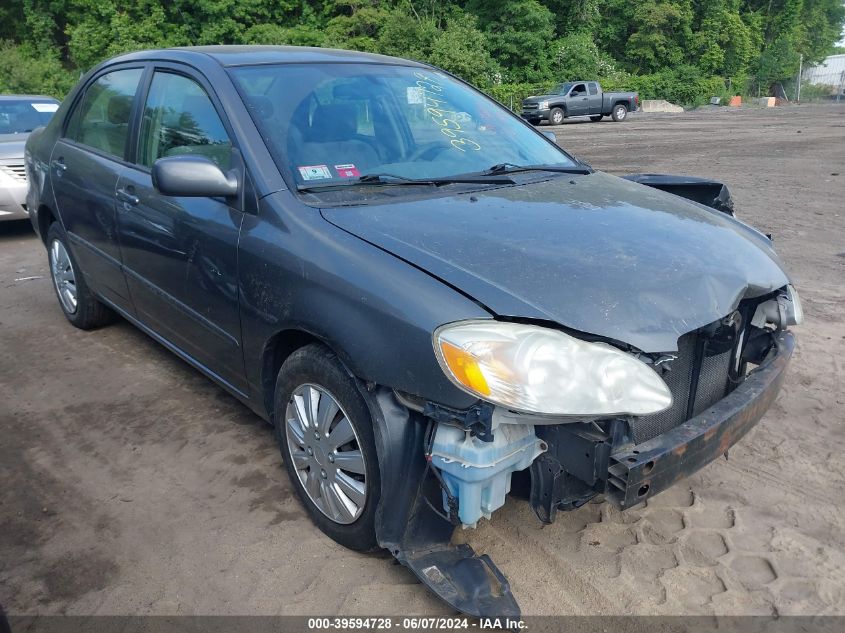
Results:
<point x="12" y="145"/>
<point x="539" y="98"/>
<point x="593" y="253"/>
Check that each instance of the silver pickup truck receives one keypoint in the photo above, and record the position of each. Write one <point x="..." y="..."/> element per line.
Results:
<point x="579" y="98"/>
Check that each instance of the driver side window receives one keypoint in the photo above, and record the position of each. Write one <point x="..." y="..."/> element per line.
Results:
<point x="179" y="118"/>
<point x="578" y="89"/>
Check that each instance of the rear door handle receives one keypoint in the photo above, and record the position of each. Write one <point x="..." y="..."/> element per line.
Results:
<point x="126" y="196"/>
<point x="59" y="165"/>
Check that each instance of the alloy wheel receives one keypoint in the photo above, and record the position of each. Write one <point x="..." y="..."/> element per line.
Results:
<point x="326" y="454"/>
<point x="64" y="278"/>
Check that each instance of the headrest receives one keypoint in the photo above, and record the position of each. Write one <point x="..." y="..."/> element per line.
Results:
<point x="119" y="108"/>
<point x="334" y="122"/>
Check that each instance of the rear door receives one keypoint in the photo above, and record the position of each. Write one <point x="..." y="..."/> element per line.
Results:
<point x="594" y="98"/>
<point x="86" y="164"/>
<point x="578" y="102"/>
<point x="180" y="254"/>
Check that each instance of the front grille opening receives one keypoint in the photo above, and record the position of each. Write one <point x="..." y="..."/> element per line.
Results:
<point x="18" y="172"/>
<point x="699" y="377"/>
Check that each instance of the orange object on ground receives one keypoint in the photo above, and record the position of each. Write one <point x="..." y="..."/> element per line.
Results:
<point x="735" y="102"/>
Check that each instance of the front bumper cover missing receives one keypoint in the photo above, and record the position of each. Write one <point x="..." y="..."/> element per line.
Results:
<point x="419" y="536"/>
<point x="648" y="468"/>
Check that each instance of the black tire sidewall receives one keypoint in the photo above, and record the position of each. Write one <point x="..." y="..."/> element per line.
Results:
<point x="552" y="116"/>
<point x="316" y="364"/>
<point x="624" y="114"/>
<point x="90" y="313"/>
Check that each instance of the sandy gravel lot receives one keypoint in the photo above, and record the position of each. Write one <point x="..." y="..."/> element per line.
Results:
<point x="130" y="484"/>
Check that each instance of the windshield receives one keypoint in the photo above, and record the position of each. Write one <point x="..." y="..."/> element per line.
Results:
<point x="562" y="89"/>
<point x="21" y="116"/>
<point x="333" y="123"/>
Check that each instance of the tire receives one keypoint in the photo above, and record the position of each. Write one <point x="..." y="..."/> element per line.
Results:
<point x="620" y="112"/>
<point x="316" y="368"/>
<point x="597" y="118"/>
<point x="76" y="300"/>
<point x="556" y="116"/>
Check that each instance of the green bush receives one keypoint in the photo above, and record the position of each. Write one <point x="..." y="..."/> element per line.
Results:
<point x="23" y="71"/>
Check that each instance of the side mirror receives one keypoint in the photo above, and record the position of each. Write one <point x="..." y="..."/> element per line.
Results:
<point x="194" y="176"/>
<point x="551" y="136"/>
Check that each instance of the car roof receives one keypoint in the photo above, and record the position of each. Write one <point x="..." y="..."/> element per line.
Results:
<point x="27" y="97"/>
<point x="243" y="55"/>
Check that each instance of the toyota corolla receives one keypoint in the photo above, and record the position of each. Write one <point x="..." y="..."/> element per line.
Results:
<point x="422" y="293"/>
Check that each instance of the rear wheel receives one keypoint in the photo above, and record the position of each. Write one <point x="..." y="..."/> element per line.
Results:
<point x="620" y="112"/>
<point x="597" y="118"/>
<point x="556" y="116"/>
<point x="325" y="433"/>
<point x="76" y="300"/>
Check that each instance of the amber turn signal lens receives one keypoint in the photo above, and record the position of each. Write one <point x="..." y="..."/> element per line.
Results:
<point x="464" y="368"/>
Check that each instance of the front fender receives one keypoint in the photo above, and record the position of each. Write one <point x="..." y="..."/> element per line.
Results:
<point x="376" y="312"/>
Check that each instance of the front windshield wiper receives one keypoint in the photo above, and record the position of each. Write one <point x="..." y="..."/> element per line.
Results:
<point x="510" y="168"/>
<point x="396" y="180"/>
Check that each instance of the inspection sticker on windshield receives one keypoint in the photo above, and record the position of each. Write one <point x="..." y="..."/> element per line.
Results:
<point x="347" y="171"/>
<point x="45" y="107"/>
<point x="314" y="172"/>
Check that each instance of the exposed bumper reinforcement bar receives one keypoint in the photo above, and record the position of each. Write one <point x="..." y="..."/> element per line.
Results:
<point x="648" y="468"/>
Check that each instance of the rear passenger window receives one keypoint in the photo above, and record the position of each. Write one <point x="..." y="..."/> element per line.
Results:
<point x="101" y="118"/>
<point x="593" y="89"/>
<point x="179" y="119"/>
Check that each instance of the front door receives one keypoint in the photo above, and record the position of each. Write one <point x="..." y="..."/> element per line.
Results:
<point x="578" y="102"/>
<point x="180" y="254"/>
<point x="86" y="164"/>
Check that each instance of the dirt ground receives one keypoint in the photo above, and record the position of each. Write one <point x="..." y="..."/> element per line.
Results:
<point x="130" y="484"/>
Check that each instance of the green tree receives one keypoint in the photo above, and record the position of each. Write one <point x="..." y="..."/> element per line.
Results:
<point x="461" y="48"/>
<point x="661" y="33"/>
<point x="520" y="33"/>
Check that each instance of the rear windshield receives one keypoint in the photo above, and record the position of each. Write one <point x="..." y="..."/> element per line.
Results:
<point x="21" y="116"/>
<point x="331" y="122"/>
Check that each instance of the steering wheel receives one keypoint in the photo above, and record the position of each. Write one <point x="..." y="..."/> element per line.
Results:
<point x="432" y="150"/>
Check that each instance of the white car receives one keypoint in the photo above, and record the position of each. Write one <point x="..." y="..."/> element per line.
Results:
<point x="19" y="115"/>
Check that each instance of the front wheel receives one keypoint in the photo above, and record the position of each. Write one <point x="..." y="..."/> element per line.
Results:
<point x="76" y="300"/>
<point x="325" y="433"/>
<point x="556" y="116"/>
<point x="620" y="113"/>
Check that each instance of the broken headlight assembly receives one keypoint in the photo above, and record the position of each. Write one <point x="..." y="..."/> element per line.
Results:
<point x="539" y="370"/>
<point x="782" y="311"/>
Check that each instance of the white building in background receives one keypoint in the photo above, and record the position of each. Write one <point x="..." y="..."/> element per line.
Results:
<point x="831" y="72"/>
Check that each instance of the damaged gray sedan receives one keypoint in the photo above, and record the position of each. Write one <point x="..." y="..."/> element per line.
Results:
<point x="423" y="294"/>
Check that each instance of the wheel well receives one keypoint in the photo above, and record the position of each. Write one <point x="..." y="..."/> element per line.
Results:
<point x="45" y="219"/>
<point x="276" y="351"/>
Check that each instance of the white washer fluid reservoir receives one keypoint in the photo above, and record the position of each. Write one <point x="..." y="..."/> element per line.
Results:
<point x="479" y="473"/>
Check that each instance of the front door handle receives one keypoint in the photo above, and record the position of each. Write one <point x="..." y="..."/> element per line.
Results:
<point x="127" y="196"/>
<point x="59" y="165"/>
